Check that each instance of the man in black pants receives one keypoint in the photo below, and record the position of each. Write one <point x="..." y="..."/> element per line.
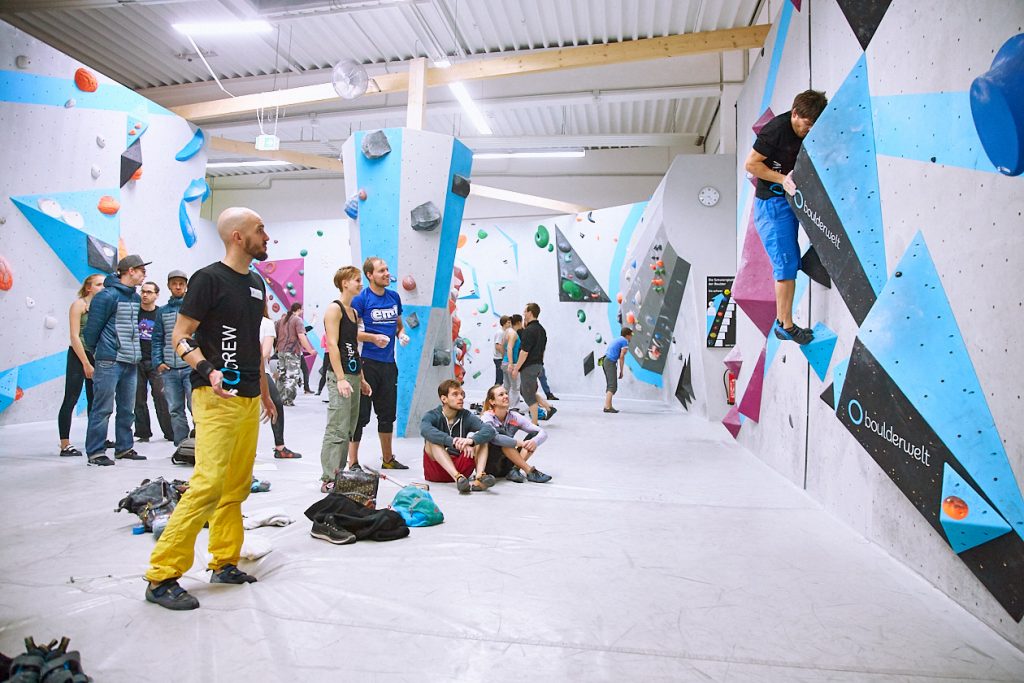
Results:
<point x="380" y="310"/>
<point x="147" y="374"/>
<point x="534" y="339"/>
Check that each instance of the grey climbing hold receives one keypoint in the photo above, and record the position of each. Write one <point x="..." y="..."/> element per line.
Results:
<point x="442" y="357"/>
<point x="581" y="272"/>
<point x="412" y="320"/>
<point x="426" y="217"/>
<point x="375" y="145"/>
<point x="460" y="185"/>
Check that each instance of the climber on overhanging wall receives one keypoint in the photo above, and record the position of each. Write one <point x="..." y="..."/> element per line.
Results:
<point x="771" y="161"/>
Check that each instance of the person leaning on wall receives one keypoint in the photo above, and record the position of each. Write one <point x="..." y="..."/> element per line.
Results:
<point x="79" y="368"/>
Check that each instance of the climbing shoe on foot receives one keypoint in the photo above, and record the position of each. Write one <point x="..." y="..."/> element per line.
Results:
<point x="538" y="477"/>
<point x="800" y="335"/>
<point x="393" y="464"/>
<point x="170" y="595"/>
<point x="516" y="475"/>
<point x="229" y="573"/>
<point x="129" y="454"/>
<point x="286" y="453"/>
<point x="70" y="452"/>
<point x="464" y="485"/>
<point x="100" y="460"/>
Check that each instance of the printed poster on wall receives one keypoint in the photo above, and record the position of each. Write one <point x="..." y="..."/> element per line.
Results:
<point x="721" y="312"/>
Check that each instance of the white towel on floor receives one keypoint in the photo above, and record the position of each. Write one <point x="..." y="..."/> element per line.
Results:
<point x="269" y="517"/>
<point x="254" y="547"/>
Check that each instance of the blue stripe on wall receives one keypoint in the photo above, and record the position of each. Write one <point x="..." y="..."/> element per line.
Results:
<point x="27" y="88"/>
<point x="462" y="164"/>
<point x="408" y="359"/>
<point x="378" y="215"/>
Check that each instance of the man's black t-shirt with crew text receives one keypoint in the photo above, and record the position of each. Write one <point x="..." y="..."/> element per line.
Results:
<point x="780" y="144"/>
<point x="229" y="308"/>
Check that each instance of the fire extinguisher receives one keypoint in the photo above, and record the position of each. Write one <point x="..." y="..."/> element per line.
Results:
<point x="729" y="379"/>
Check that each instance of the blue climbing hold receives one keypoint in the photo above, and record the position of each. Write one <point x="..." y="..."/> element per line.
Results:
<point x="997" y="106"/>
<point x="819" y="351"/>
<point x="193" y="146"/>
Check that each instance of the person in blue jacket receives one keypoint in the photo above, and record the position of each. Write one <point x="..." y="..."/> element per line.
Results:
<point x="112" y="335"/>
<point x="174" y="371"/>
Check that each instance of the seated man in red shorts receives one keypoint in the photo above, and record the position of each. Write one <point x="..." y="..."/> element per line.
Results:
<point x="455" y="442"/>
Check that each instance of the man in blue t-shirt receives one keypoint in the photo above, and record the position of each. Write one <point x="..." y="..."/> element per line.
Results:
<point x="380" y="310"/>
<point x="615" y="356"/>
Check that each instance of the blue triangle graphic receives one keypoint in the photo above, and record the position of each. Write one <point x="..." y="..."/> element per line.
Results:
<point x="981" y="524"/>
<point x="68" y="242"/>
<point x="842" y="147"/>
<point x="913" y="334"/>
<point x="8" y="388"/>
<point x="839" y="377"/>
<point x="819" y="351"/>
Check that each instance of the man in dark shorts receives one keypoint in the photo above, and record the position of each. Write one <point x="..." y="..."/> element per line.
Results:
<point x="534" y="339"/>
<point x="771" y="161"/>
<point x="223" y="309"/>
<point x="613" y="365"/>
<point x="380" y="310"/>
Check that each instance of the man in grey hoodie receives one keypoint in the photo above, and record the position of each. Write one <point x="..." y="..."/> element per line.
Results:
<point x="455" y="442"/>
<point x="112" y="335"/>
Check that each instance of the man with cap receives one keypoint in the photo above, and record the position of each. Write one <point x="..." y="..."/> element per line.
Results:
<point x="172" y="369"/>
<point x="147" y="374"/>
<point x="112" y="335"/>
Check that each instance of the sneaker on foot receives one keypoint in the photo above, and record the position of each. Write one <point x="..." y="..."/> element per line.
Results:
<point x="610" y="410"/>
<point x="464" y="485"/>
<point x="70" y="452"/>
<point x="551" y="413"/>
<point x="552" y="397"/>
<point x="516" y="475"/>
<point x="142" y="439"/>
<point x="100" y="459"/>
<point x="393" y="464"/>
<point x="108" y="444"/>
<point x="800" y="335"/>
<point x="538" y="477"/>
<point x="229" y="573"/>
<point x="286" y="453"/>
<point x="170" y="595"/>
<point x="355" y="467"/>
<point x="129" y="454"/>
<point x="332" y="534"/>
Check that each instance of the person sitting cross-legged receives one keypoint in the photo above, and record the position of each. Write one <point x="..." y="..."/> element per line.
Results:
<point x="455" y="442"/>
<point x="508" y="455"/>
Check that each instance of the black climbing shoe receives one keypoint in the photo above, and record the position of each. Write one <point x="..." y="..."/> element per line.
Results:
<point x="170" y="595"/>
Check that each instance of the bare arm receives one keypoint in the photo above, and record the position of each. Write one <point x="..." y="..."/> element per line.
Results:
<point x="75" y="328"/>
<point x="332" y="320"/>
<point x="266" y="349"/>
<point x="622" y="360"/>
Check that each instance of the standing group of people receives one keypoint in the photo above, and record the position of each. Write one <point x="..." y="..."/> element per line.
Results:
<point x="119" y="348"/>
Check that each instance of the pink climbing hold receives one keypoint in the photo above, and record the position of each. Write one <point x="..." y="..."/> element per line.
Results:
<point x="362" y="194"/>
<point x="754" y="287"/>
<point x="734" y="361"/>
<point x="732" y="422"/>
<point x="408" y="283"/>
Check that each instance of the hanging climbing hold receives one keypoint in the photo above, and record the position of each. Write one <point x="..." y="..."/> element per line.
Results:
<point x="618" y="297"/>
<point x="408" y="283"/>
<point x="302" y="272"/>
<point x="70" y="103"/>
<point x="49" y="322"/>
<point x="85" y="80"/>
<point x="108" y="205"/>
<point x="542" y="237"/>
<point x="483" y="308"/>
<point x="362" y="195"/>
<point x="581" y="315"/>
<point x="375" y="144"/>
<point x="630" y="319"/>
<point x="95" y="171"/>
<point x="426" y="217"/>
<point x="303" y="253"/>
<point x="551" y="247"/>
<point x="319" y="233"/>
<point x="6" y="275"/>
<point x="581" y="272"/>
<point x="481" y="234"/>
<point x="462" y="242"/>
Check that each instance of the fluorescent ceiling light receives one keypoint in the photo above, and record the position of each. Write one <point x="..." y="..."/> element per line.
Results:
<point x="223" y="28"/>
<point x="469" y="106"/>
<point x="442" y="63"/>
<point x="247" y="164"/>
<point x="564" y="154"/>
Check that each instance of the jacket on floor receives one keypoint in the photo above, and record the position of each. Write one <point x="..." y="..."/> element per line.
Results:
<point x="163" y="331"/>
<point x="434" y="428"/>
<point x="112" y="332"/>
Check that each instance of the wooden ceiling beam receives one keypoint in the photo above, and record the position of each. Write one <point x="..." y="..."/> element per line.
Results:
<point x="645" y="49"/>
<point x="299" y="158"/>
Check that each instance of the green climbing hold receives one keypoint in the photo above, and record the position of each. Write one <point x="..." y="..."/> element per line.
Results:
<point x="542" y="237"/>
<point x="599" y="339"/>
<point x="302" y="272"/>
<point x="319" y="233"/>
<point x="483" y="308"/>
<point x="476" y="374"/>
<point x="574" y="291"/>
<point x="481" y="234"/>
<point x="303" y="253"/>
<point x="581" y="315"/>
<point x="551" y="247"/>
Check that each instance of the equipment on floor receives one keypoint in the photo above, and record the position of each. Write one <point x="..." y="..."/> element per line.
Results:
<point x="153" y="500"/>
<point x="185" y="453"/>
<point x="417" y="507"/>
<point x="50" y="663"/>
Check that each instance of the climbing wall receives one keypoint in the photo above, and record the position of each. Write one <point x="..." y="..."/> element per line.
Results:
<point x="406" y="190"/>
<point x="901" y="417"/>
<point x="90" y="171"/>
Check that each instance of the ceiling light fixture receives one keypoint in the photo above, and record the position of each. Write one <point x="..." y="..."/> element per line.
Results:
<point x="469" y="106"/>
<point x="223" y="28"/>
<point x="247" y="164"/>
<point x="561" y="154"/>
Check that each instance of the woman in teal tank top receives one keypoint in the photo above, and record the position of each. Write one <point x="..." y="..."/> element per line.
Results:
<point x="79" y="367"/>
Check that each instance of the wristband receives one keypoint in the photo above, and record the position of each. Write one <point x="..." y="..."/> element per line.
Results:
<point x="205" y="367"/>
<point x="186" y="346"/>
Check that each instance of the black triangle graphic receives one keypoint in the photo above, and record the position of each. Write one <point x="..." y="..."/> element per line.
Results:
<point x="575" y="281"/>
<point x="829" y="396"/>
<point x="588" y="364"/>
<point x="811" y="264"/>
<point x="131" y="161"/>
<point x="864" y="16"/>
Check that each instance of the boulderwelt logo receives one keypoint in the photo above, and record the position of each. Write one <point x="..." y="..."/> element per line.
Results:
<point x="860" y="416"/>
<point x="815" y="219"/>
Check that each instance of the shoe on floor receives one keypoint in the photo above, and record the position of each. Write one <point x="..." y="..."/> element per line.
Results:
<point x="100" y="459"/>
<point x="129" y="454"/>
<point x="551" y="413"/>
<point x="516" y="475"/>
<point x="326" y="487"/>
<point x="170" y="595"/>
<point x="286" y="453"/>
<point x="610" y="410"/>
<point x="229" y="573"/>
<point x="108" y="444"/>
<point x="70" y="452"/>
<point x="487" y="480"/>
<point x="464" y="485"/>
<point x="332" y="534"/>
<point x="552" y="397"/>
<point x="142" y="439"/>
<point x="538" y="477"/>
<point x="800" y="335"/>
<point x="393" y="464"/>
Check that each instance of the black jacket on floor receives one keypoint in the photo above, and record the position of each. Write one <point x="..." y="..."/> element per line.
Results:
<point x="367" y="525"/>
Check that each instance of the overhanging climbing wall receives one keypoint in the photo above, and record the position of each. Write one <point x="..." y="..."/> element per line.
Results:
<point x="915" y="438"/>
<point x="406" y="191"/>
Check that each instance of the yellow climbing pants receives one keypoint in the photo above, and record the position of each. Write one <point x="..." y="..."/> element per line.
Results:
<point x="226" y="433"/>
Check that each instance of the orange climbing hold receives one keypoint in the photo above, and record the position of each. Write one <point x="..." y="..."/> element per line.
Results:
<point x="955" y="507"/>
<point x="85" y="80"/>
<point x="18" y="393"/>
<point x="108" y="205"/>
<point x="462" y="242"/>
<point x="6" y="275"/>
<point x="138" y="173"/>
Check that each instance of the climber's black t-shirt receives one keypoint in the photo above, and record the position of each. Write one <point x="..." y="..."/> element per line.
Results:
<point x="780" y="144"/>
<point x="229" y="308"/>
